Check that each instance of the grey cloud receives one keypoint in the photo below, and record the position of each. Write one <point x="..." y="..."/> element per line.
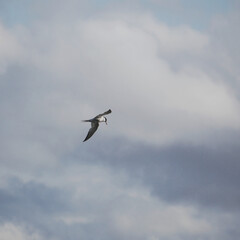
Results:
<point x="190" y="176"/>
<point x="40" y="207"/>
<point x="198" y="175"/>
<point x="21" y="201"/>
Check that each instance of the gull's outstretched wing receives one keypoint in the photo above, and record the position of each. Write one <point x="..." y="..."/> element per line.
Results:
<point x="92" y="130"/>
<point x="105" y="113"/>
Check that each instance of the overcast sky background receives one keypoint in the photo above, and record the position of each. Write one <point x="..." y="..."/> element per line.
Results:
<point x="167" y="165"/>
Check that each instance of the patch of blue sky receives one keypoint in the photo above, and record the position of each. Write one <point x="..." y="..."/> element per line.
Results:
<point x="196" y="13"/>
<point x="24" y="12"/>
<point x="15" y="12"/>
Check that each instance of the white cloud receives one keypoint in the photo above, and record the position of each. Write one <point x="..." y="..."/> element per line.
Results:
<point x="115" y="202"/>
<point x="10" y="231"/>
<point x="10" y="49"/>
<point x="119" y="62"/>
<point x="142" y="216"/>
<point x="171" y="40"/>
<point x="153" y="101"/>
<point x="103" y="195"/>
<point x="125" y="63"/>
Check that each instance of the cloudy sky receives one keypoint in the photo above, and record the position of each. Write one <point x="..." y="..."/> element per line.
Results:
<point x="167" y="166"/>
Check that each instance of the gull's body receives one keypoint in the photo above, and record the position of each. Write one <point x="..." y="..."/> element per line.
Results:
<point x="95" y="123"/>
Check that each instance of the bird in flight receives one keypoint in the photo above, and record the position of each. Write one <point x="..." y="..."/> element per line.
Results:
<point x="95" y="123"/>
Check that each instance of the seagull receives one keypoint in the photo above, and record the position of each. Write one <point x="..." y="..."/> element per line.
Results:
<point x="95" y="123"/>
